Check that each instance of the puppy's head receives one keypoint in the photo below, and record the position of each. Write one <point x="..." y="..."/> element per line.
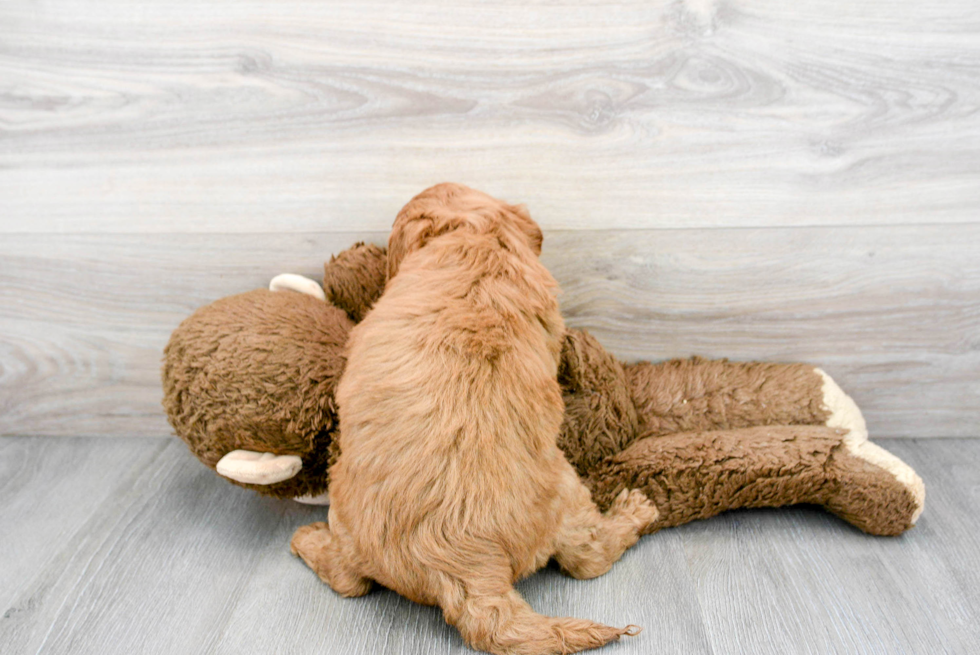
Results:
<point x="446" y="207"/>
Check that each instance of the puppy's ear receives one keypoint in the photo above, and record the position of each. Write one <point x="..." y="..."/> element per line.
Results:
<point x="529" y="227"/>
<point x="417" y="223"/>
<point x="407" y="235"/>
<point x="412" y="230"/>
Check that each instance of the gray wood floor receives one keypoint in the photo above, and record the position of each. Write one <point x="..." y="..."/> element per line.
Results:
<point x="131" y="546"/>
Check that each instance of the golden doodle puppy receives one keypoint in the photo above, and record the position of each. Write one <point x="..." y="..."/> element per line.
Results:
<point x="450" y="486"/>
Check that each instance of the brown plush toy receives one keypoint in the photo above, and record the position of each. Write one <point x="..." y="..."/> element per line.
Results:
<point x="249" y="382"/>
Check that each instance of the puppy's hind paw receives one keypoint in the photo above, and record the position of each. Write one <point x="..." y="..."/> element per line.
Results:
<point x="634" y="504"/>
<point x="318" y="547"/>
<point x="304" y="537"/>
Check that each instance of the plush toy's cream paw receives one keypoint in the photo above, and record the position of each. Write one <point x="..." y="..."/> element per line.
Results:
<point x="844" y="414"/>
<point x="291" y="282"/>
<point x="250" y="467"/>
<point x="874" y="454"/>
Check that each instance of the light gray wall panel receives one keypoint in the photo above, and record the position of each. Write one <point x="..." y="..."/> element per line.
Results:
<point x="183" y="115"/>
<point x="893" y="313"/>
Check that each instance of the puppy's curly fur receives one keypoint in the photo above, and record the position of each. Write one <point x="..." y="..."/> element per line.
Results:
<point x="450" y="485"/>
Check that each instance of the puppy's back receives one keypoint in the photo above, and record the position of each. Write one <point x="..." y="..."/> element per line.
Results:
<point x="449" y="410"/>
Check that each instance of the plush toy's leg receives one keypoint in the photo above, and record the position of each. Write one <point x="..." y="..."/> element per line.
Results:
<point x="878" y="504"/>
<point x="323" y="552"/>
<point x="589" y="543"/>
<point x="704" y="395"/>
<point x="844" y="413"/>
<point x="696" y="475"/>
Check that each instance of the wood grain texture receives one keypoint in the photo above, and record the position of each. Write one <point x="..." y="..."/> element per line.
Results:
<point x="892" y="313"/>
<point x="189" y="116"/>
<point x="44" y="504"/>
<point x="772" y="582"/>
<point x="133" y="546"/>
<point x="140" y="571"/>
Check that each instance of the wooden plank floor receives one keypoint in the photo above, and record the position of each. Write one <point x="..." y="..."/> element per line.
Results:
<point x="131" y="546"/>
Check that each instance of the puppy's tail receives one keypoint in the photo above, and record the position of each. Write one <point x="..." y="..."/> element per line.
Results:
<point x="507" y="625"/>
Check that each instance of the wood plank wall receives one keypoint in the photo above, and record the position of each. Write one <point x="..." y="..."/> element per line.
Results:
<point x="756" y="180"/>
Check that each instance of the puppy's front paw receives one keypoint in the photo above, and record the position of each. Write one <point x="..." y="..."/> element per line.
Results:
<point x="634" y="504"/>
<point x="305" y="537"/>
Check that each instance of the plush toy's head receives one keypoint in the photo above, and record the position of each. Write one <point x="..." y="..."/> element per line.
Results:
<point x="257" y="372"/>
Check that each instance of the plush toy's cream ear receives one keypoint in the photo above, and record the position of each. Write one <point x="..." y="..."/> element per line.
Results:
<point x="321" y="499"/>
<point x="291" y="282"/>
<point x="250" y="467"/>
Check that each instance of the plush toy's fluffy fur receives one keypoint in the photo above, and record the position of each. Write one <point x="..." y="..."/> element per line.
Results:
<point x="355" y="278"/>
<point x="258" y="371"/>
<point x="609" y="405"/>
<point x="450" y="485"/>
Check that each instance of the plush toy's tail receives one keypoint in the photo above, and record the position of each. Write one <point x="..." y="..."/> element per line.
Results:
<point x="696" y="475"/>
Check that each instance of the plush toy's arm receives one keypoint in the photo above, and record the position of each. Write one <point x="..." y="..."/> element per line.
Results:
<point x="608" y="404"/>
<point x="685" y="395"/>
<point x="354" y="279"/>
<point x="695" y="475"/>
